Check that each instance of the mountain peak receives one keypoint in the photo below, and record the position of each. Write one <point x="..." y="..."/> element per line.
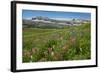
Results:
<point x="40" y="18"/>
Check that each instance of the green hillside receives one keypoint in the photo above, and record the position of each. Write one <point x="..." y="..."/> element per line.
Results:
<point x="69" y="43"/>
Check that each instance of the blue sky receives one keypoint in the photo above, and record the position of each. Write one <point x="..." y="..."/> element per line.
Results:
<point x="28" y="14"/>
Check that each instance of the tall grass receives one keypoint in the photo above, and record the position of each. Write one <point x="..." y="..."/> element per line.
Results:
<point x="70" y="43"/>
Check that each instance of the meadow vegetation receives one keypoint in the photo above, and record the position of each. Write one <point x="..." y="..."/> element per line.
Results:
<point x="69" y="43"/>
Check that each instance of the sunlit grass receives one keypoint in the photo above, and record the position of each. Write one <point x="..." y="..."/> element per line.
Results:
<point x="70" y="43"/>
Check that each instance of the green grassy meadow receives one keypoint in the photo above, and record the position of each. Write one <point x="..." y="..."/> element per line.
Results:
<point x="69" y="43"/>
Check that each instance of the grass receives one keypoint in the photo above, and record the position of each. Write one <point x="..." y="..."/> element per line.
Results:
<point x="69" y="43"/>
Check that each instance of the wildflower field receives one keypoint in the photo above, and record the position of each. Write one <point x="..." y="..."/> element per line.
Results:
<point x="69" y="43"/>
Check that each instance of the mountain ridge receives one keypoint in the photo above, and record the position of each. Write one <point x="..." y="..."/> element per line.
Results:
<point x="46" y="22"/>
